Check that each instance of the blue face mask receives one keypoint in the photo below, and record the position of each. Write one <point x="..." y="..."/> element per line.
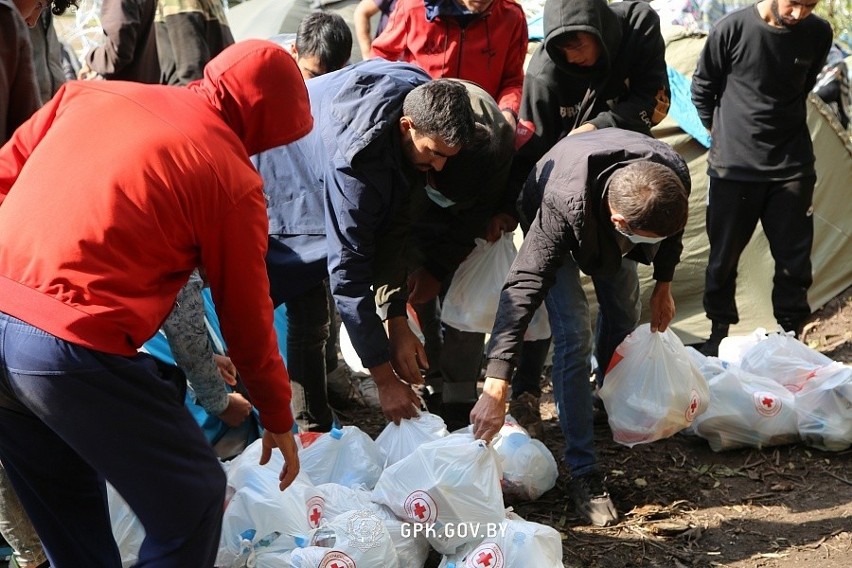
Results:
<point x="439" y="198"/>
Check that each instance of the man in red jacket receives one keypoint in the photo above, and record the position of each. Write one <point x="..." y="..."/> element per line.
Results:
<point x="92" y="256"/>
<point x="484" y="41"/>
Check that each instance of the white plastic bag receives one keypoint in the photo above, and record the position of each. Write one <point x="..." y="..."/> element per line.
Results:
<point x="447" y="483"/>
<point x="355" y="538"/>
<point x="400" y="441"/>
<point x="709" y="366"/>
<point x="824" y="408"/>
<point x="245" y="468"/>
<point x="733" y="347"/>
<point x="261" y="509"/>
<point x="652" y="388"/>
<point x="337" y="499"/>
<point x="127" y="529"/>
<point x="474" y="294"/>
<point x="747" y="410"/>
<point x="347" y="456"/>
<point x="412" y="550"/>
<point x="784" y="359"/>
<point x="529" y="469"/>
<point x="517" y="543"/>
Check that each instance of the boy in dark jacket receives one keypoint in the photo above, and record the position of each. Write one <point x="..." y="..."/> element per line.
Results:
<point x="597" y="202"/>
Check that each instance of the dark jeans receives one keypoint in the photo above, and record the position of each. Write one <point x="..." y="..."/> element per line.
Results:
<point x="70" y="418"/>
<point x="573" y="342"/>
<point x="307" y="333"/>
<point x="784" y="210"/>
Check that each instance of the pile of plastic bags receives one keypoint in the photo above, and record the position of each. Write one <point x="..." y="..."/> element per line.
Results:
<point x="770" y="389"/>
<point x="363" y="503"/>
<point x="762" y="390"/>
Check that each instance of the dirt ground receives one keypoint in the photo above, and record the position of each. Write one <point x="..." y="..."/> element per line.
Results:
<point x="685" y="505"/>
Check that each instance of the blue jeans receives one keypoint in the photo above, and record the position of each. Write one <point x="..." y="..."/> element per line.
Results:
<point x="570" y="322"/>
<point x="72" y="417"/>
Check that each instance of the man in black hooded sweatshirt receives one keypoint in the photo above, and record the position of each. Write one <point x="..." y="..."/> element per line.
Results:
<point x="599" y="66"/>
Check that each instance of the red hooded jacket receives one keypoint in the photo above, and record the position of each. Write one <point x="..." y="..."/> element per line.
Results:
<point x="489" y="51"/>
<point x="95" y="244"/>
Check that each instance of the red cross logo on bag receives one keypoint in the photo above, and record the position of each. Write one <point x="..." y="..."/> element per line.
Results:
<point x="336" y="559"/>
<point x="421" y="508"/>
<point x="315" y="506"/>
<point x="766" y="403"/>
<point x="692" y="409"/>
<point x="486" y="555"/>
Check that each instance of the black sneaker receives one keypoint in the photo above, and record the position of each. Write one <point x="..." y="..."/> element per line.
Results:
<point x="591" y="499"/>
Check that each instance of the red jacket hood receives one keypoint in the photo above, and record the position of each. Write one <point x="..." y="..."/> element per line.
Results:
<point x="257" y="88"/>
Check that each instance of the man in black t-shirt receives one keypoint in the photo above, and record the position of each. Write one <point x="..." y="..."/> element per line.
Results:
<point x="750" y="88"/>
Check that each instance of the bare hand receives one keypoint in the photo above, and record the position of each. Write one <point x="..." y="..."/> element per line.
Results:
<point x="226" y="369"/>
<point x="662" y="306"/>
<point x="397" y="398"/>
<point x="287" y="445"/>
<point x="87" y="74"/>
<point x="237" y="410"/>
<point x="499" y="224"/>
<point x="408" y="355"/>
<point x="422" y="286"/>
<point x="489" y="413"/>
<point x="587" y="127"/>
<point x="510" y="118"/>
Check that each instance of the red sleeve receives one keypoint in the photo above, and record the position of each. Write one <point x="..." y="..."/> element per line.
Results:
<point x="390" y="44"/>
<point x="512" y="82"/>
<point x="15" y="153"/>
<point x="233" y="255"/>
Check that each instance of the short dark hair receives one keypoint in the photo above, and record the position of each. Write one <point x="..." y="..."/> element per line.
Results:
<point x="59" y="6"/>
<point x="441" y="108"/>
<point x="650" y="196"/>
<point x="326" y="36"/>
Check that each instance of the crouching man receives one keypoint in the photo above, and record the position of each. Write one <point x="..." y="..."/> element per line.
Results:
<point x="598" y="202"/>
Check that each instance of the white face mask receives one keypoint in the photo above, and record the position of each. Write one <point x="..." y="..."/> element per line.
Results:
<point x="439" y="198"/>
<point x="637" y="239"/>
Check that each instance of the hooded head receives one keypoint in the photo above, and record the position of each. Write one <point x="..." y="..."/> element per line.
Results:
<point x="258" y="90"/>
<point x="578" y="22"/>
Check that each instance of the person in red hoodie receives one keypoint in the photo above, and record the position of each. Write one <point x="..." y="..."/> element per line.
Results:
<point x="484" y="41"/>
<point x="92" y="255"/>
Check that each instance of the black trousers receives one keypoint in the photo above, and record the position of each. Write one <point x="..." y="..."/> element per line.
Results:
<point x="784" y="210"/>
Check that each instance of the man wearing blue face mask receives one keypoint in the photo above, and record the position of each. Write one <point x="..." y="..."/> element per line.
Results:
<point x="598" y="202"/>
<point x="463" y="201"/>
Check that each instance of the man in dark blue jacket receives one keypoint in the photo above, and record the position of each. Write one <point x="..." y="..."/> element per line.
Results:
<point x="337" y="204"/>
